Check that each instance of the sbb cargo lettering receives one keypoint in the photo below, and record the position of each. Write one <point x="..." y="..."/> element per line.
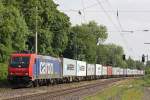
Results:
<point x="46" y="68"/>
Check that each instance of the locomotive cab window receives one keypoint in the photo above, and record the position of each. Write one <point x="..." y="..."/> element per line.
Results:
<point x="21" y="62"/>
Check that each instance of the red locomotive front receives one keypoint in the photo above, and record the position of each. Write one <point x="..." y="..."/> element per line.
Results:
<point x="20" y="68"/>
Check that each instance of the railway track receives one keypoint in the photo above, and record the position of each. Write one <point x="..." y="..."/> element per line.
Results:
<point x="73" y="93"/>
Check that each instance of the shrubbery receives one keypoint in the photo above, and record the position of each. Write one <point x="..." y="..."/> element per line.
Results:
<point x="3" y="71"/>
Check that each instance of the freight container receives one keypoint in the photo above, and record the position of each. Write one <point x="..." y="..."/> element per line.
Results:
<point x="128" y="72"/>
<point x="81" y="68"/>
<point x="132" y="71"/>
<point x="135" y="71"/>
<point x="143" y="72"/>
<point x="47" y="67"/>
<point x="114" y="71"/>
<point x="124" y="71"/>
<point x="104" y="70"/>
<point x="90" y="69"/>
<point x="118" y="71"/>
<point x="121" y="71"/>
<point x="109" y="70"/>
<point x="138" y="72"/>
<point x="69" y="67"/>
<point x="98" y="69"/>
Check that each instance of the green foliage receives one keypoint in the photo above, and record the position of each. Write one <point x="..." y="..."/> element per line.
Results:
<point x="130" y="62"/>
<point x="83" y="40"/>
<point x="13" y="31"/>
<point x="110" y="55"/>
<point x="52" y="25"/>
<point x="139" y="65"/>
<point x="19" y="20"/>
<point x="148" y="63"/>
<point x="147" y="70"/>
<point x="3" y="71"/>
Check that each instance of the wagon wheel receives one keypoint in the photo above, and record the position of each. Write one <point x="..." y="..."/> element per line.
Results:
<point x="30" y="84"/>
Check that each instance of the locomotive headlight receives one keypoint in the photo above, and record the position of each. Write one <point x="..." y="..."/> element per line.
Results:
<point x="26" y="74"/>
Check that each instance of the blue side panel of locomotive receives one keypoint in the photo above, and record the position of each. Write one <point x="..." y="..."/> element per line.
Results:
<point x="47" y="67"/>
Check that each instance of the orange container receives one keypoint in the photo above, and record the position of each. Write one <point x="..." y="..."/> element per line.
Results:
<point x="109" y="70"/>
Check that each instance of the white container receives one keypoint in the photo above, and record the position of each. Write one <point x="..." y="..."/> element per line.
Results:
<point x="114" y="71"/>
<point x="135" y="72"/>
<point x="104" y="70"/>
<point x="90" y="69"/>
<point x="143" y="72"/>
<point x="69" y="67"/>
<point x="138" y="72"/>
<point x="128" y="72"/>
<point x="121" y="71"/>
<point x="132" y="72"/>
<point x="81" y="68"/>
<point x="124" y="71"/>
<point x="99" y="69"/>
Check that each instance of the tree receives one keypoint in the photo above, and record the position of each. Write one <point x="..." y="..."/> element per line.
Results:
<point x="111" y="54"/>
<point x="139" y="65"/>
<point x="131" y="63"/>
<point x="52" y="25"/>
<point x="13" y="31"/>
<point x="83" y="40"/>
<point x="148" y="64"/>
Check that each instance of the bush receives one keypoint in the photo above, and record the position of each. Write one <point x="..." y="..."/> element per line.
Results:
<point x="3" y="71"/>
<point x="147" y="70"/>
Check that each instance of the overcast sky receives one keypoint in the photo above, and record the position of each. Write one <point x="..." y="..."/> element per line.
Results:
<point x="133" y="15"/>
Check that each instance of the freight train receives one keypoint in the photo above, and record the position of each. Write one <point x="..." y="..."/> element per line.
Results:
<point x="29" y="69"/>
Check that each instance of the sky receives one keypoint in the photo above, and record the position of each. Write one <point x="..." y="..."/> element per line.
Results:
<point x="133" y="15"/>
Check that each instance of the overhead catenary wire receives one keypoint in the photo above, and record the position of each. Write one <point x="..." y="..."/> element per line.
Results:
<point x="120" y="25"/>
<point x="108" y="10"/>
<point x="117" y="17"/>
<point x="108" y="16"/>
<point x="118" y="20"/>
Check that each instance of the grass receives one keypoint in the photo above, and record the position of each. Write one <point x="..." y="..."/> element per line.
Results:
<point x="3" y="71"/>
<point x="125" y="90"/>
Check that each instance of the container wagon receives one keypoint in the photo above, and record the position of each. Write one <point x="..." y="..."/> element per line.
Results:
<point x="69" y="70"/>
<point x="81" y="70"/>
<point x="109" y="71"/>
<point x="104" y="72"/>
<point x="99" y="70"/>
<point x="91" y="71"/>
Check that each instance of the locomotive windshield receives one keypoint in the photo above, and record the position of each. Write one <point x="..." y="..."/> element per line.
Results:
<point x="21" y="62"/>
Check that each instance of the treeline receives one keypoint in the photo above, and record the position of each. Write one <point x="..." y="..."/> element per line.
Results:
<point x="19" y="20"/>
